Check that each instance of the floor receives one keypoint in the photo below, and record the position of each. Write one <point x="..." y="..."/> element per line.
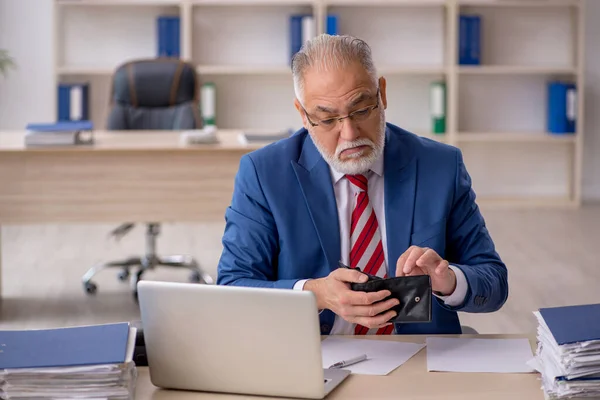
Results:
<point x="551" y="257"/>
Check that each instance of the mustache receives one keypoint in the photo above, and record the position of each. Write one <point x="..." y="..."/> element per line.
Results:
<point x="353" y="144"/>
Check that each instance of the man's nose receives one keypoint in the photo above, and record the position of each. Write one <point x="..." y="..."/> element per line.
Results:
<point x="348" y="130"/>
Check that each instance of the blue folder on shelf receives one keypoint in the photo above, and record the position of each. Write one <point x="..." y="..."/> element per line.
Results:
<point x="561" y="107"/>
<point x="573" y="324"/>
<point x="469" y="40"/>
<point x="168" y="29"/>
<point x="73" y="101"/>
<point x="65" y="347"/>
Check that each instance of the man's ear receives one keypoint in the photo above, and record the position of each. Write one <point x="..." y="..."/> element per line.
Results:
<point x="382" y="92"/>
<point x="302" y="114"/>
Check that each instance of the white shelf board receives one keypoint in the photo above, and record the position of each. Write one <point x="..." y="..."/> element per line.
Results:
<point x="514" y="70"/>
<point x="408" y="70"/>
<point x="244" y="70"/>
<point x="253" y="2"/>
<point x="519" y="137"/>
<point x="80" y="3"/>
<point x="406" y="3"/>
<point x="519" y="3"/>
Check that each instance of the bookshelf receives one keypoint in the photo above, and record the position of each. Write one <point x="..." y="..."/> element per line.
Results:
<point x="495" y="112"/>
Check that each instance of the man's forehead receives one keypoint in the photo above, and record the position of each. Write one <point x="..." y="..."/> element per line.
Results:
<point x="334" y="84"/>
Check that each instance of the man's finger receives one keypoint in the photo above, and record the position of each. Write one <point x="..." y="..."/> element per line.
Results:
<point x="350" y="275"/>
<point x="374" y="309"/>
<point x="401" y="261"/>
<point x="365" y="298"/>
<point x="411" y="261"/>
<point x="373" y="322"/>
<point x="442" y="267"/>
<point x="429" y="261"/>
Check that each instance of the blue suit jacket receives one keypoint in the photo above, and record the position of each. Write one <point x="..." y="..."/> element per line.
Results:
<point x="282" y="224"/>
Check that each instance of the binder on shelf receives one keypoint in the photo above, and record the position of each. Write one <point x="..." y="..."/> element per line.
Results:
<point x="208" y="104"/>
<point x="438" y="107"/>
<point x="302" y="28"/>
<point x="474" y="39"/>
<point x="309" y="30"/>
<point x="561" y="107"/>
<point x="168" y="29"/>
<point x="73" y="101"/>
<point x="295" y="34"/>
<point x="469" y="40"/>
<point x="332" y="24"/>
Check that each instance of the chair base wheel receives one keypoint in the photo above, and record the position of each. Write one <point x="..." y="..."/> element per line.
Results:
<point x="123" y="275"/>
<point x="195" y="277"/>
<point x="90" y="288"/>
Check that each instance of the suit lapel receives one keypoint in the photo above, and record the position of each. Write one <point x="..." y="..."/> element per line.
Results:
<point x="400" y="170"/>
<point x="314" y="177"/>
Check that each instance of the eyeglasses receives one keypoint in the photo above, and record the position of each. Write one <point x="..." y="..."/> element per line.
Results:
<point x="359" y="115"/>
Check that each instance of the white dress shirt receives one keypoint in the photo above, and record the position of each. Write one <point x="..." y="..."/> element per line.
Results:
<point x="344" y="196"/>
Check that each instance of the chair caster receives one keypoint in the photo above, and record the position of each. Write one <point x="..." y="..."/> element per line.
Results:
<point x="195" y="277"/>
<point x="90" y="288"/>
<point x="123" y="275"/>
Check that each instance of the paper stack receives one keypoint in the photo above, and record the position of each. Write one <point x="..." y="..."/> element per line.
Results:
<point x="568" y="352"/>
<point x="90" y="362"/>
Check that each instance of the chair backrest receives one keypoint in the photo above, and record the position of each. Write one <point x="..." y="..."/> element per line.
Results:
<point x="155" y="94"/>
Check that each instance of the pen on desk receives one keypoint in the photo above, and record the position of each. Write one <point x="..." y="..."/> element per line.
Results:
<point x="352" y="361"/>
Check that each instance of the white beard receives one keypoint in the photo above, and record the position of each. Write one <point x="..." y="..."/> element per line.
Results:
<point x="357" y="164"/>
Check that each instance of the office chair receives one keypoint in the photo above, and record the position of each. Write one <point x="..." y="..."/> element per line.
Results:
<point x="152" y="94"/>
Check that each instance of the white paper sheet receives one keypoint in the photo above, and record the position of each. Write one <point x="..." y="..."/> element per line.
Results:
<point x="382" y="356"/>
<point x="479" y="355"/>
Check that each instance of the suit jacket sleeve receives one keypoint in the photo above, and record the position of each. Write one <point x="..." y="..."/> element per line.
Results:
<point x="250" y="240"/>
<point x="470" y="248"/>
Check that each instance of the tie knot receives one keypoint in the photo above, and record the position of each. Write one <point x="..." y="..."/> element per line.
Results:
<point x="360" y="181"/>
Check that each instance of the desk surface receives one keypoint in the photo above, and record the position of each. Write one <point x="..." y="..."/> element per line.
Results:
<point x="11" y="141"/>
<point x="409" y="381"/>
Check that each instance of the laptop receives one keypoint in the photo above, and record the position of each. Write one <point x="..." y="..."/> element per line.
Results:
<point x="228" y="339"/>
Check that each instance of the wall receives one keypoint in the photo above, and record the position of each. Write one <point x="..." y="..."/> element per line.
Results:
<point x="29" y="95"/>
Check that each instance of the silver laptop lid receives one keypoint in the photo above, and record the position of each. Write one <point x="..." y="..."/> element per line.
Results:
<point x="232" y="339"/>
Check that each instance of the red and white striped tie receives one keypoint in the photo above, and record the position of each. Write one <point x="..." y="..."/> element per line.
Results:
<point x="365" y="243"/>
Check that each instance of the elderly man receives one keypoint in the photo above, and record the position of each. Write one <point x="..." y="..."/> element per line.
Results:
<point x="351" y="187"/>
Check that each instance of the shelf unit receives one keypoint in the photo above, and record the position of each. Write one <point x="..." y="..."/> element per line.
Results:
<point x="497" y="108"/>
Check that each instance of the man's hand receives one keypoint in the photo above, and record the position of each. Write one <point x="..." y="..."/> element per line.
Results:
<point x="424" y="261"/>
<point x="366" y="309"/>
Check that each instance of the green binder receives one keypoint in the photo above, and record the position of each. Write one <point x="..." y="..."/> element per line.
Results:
<point x="208" y="104"/>
<point x="438" y="107"/>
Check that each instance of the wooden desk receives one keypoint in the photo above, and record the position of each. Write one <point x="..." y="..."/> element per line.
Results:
<point x="409" y="381"/>
<point x="140" y="176"/>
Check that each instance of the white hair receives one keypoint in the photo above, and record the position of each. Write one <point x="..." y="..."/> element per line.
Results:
<point x="326" y="53"/>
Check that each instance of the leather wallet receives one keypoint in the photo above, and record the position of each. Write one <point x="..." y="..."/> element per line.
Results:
<point x="413" y="292"/>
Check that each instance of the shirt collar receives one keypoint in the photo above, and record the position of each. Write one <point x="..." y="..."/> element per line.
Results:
<point x="377" y="168"/>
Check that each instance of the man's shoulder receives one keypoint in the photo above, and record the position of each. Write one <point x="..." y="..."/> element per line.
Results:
<point x="281" y="151"/>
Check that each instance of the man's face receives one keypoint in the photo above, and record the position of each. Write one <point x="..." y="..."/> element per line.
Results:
<point x="353" y="144"/>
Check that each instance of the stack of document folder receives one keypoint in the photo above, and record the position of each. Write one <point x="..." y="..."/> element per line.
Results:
<point x="88" y="362"/>
<point x="63" y="133"/>
<point x="568" y="352"/>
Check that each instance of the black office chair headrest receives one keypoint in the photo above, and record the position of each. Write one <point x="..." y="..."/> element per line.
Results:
<point x="160" y="82"/>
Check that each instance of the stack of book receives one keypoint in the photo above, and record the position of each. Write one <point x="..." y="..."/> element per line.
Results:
<point x="63" y="133"/>
<point x="88" y="362"/>
<point x="568" y="352"/>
